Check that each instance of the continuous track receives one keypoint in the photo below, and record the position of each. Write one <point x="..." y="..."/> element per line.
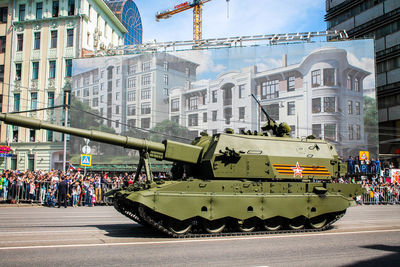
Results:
<point x="141" y="215"/>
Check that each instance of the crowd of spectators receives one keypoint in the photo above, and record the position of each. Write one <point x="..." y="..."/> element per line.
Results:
<point x="87" y="190"/>
<point x="43" y="186"/>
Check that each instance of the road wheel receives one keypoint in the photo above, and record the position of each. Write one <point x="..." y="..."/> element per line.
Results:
<point x="318" y="222"/>
<point x="273" y="224"/>
<point x="215" y="226"/>
<point x="297" y="223"/>
<point x="179" y="227"/>
<point x="248" y="225"/>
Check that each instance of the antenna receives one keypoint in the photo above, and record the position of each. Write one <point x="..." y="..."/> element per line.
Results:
<point x="227" y="9"/>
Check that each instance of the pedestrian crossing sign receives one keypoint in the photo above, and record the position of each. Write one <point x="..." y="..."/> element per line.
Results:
<point x="86" y="160"/>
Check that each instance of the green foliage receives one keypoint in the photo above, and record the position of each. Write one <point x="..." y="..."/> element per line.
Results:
<point x="170" y="130"/>
<point x="371" y="123"/>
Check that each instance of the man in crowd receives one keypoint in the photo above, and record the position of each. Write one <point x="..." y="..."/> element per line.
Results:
<point x="62" y="192"/>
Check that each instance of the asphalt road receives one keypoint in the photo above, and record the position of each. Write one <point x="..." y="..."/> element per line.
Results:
<point x="365" y="236"/>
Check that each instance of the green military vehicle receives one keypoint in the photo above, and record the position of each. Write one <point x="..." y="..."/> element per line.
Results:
<point x="229" y="184"/>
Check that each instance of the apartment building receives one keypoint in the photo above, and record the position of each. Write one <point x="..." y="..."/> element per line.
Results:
<point x="47" y="36"/>
<point x="378" y="19"/>
<point x="132" y="91"/>
<point x="322" y="95"/>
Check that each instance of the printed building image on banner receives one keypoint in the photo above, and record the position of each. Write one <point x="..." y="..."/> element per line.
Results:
<point x="324" y="89"/>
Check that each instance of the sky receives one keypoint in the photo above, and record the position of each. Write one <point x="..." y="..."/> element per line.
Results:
<point x="246" y="17"/>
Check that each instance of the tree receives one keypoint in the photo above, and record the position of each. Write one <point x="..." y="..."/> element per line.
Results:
<point x="371" y="124"/>
<point x="170" y="130"/>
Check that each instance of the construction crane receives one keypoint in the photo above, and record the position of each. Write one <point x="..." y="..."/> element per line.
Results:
<point x="197" y="15"/>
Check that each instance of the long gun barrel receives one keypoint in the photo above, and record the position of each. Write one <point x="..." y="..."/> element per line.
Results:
<point x="168" y="150"/>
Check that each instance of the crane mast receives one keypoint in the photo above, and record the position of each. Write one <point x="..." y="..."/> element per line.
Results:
<point x="197" y="15"/>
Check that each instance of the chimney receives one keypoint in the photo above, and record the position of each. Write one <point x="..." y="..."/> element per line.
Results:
<point x="284" y="60"/>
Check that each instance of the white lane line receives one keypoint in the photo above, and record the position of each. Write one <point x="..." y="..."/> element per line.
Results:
<point x="197" y="240"/>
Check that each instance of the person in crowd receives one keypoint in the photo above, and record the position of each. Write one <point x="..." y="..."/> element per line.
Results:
<point x="97" y="185"/>
<point x="350" y="165"/>
<point x="357" y="164"/>
<point x="42" y="193"/>
<point x="62" y="192"/>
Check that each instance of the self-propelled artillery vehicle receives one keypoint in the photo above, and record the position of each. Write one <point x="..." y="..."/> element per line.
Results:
<point x="229" y="183"/>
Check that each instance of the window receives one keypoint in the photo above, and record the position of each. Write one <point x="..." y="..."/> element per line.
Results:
<point x="193" y="103"/>
<point x="241" y="91"/>
<point x="34" y="100"/>
<point x="36" y="44"/>
<point x="291" y="84"/>
<point x="166" y="91"/>
<point x="16" y="101"/>
<point x="18" y="69"/>
<point x="2" y="44"/>
<point x="131" y="82"/>
<point x="131" y="95"/>
<point x="3" y="14"/>
<point x="357" y="85"/>
<point x="273" y="112"/>
<point x="349" y="85"/>
<point x="88" y="39"/>
<point x="204" y="116"/>
<point x="71" y="7"/>
<point x="117" y="95"/>
<point x="68" y="67"/>
<point x="146" y="79"/>
<point x="145" y="123"/>
<point x="315" y="78"/>
<point x="329" y="104"/>
<point x="351" y="132"/>
<point x="292" y="133"/>
<point x="214" y="96"/>
<point x="20" y="42"/>
<point x="350" y="106"/>
<point x="50" y="99"/>
<point x="53" y="43"/>
<point x="70" y="37"/>
<point x="358" y="108"/>
<point x="166" y="65"/>
<point x="291" y="108"/>
<point x="317" y="131"/>
<point x="145" y="108"/>
<point x="52" y="69"/>
<point x="187" y="72"/>
<point x="1" y="78"/>
<point x="131" y="69"/>
<point x="166" y="79"/>
<point x="193" y="120"/>
<point x="175" y="119"/>
<point x="358" y="132"/>
<point x="316" y="105"/>
<point x="146" y="66"/>
<point x="105" y="29"/>
<point x="117" y="124"/>
<point x="39" y="10"/>
<point x="117" y="70"/>
<point x="117" y="109"/>
<point x="86" y="81"/>
<point x="214" y="115"/>
<point x="95" y="90"/>
<point x="132" y="123"/>
<point x="145" y="94"/>
<point x="32" y="134"/>
<point x="56" y="8"/>
<point x="131" y="110"/>
<point x="86" y="92"/>
<point x="49" y="136"/>
<point x="21" y="15"/>
<point x="330" y="132"/>
<point x="242" y="113"/>
<point x="35" y="72"/>
<point x="329" y="77"/>
<point x="270" y="89"/>
<point x="174" y="105"/>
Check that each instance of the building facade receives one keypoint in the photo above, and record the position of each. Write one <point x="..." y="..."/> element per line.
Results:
<point x="378" y="19"/>
<point x="132" y="91"/>
<point x="321" y="96"/>
<point x="128" y="13"/>
<point x="47" y="36"/>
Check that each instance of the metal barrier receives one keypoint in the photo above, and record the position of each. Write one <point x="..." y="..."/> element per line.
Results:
<point x="46" y="191"/>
